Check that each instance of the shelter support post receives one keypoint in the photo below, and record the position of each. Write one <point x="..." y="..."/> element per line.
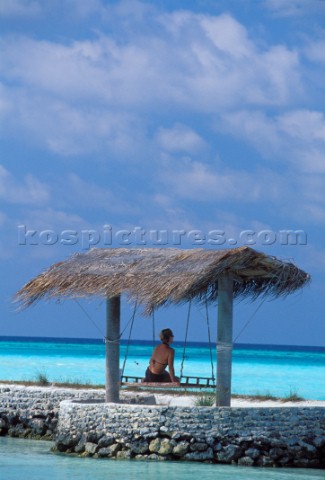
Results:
<point x="224" y="340"/>
<point x="113" y="307"/>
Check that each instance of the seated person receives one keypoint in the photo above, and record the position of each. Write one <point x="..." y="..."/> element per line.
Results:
<point x="162" y="357"/>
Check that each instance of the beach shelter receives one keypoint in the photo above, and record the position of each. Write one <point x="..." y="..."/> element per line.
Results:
<point x="156" y="277"/>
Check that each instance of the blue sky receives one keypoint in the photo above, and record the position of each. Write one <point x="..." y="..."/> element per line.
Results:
<point x="195" y="121"/>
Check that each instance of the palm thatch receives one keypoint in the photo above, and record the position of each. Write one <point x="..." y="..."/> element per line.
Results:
<point x="157" y="276"/>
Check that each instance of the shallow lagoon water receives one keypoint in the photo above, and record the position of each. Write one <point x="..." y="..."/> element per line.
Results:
<point x="33" y="460"/>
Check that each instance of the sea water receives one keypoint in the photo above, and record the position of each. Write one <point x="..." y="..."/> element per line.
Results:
<point x="257" y="369"/>
<point x="33" y="460"/>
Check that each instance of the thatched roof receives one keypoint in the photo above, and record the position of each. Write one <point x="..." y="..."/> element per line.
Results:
<point x="156" y="276"/>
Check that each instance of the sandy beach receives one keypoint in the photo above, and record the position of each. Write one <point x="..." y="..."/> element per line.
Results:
<point x="189" y="400"/>
<point x="174" y="399"/>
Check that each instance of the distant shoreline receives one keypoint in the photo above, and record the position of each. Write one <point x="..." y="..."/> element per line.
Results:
<point x="98" y="341"/>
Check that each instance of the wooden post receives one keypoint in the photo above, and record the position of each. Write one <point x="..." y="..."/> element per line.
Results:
<point x="224" y="341"/>
<point x="113" y="306"/>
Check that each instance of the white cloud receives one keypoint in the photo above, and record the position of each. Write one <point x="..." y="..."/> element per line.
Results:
<point x="68" y="129"/>
<point x="228" y="35"/>
<point x="74" y="71"/>
<point x="105" y="96"/>
<point x="28" y="191"/>
<point x="254" y="126"/>
<point x="281" y="81"/>
<point x="296" y="138"/>
<point x="315" y="51"/>
<point x="304" y="125"/>
<point x="223" y="67"/>
<point x="179" y="138"/>
<point x="192" y="63"/>
<point x="194" y="180"/>
<point x="296" y="197"/>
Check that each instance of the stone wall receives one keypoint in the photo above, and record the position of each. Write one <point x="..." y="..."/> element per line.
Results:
<point x="32" y="412"/>
<point x="245" y="436"/>
<point x="80" y="422"/>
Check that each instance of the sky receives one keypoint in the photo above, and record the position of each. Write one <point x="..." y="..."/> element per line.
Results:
<point x="184" y="124"/>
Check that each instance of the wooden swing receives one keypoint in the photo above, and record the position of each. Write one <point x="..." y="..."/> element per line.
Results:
<point x="186" y="381"/>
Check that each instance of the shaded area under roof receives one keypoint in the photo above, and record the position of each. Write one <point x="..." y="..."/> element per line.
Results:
<point x="158" y="276"/>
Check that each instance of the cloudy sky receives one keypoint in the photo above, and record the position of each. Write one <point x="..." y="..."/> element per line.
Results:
<point x="174" y="123"/>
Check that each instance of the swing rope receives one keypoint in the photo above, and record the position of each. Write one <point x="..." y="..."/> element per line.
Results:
<point x="209" y="337"/>
<point x="186" y="332"/>
<point x="249" y="320"/>
<point x="153" y="328"/>
<point x="105" y="339"/>
<point x="129" y="339"/>
<point x="89" y="318"/>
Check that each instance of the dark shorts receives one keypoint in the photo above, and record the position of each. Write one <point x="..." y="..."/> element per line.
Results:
<point x="159" y="378"/>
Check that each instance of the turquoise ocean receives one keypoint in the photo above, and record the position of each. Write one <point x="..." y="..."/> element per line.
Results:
<point x="257" y="369"/>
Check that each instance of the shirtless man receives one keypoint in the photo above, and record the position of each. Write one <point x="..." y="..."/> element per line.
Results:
<point x="162" y="357"/>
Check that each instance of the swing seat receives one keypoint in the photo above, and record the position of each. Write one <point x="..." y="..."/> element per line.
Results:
<point x="203" y="382"/>
<point x="127" y="380"/>
<point x="186" y="381"/>
<point x="189" y="382"/>
<point x="156" y="384"/>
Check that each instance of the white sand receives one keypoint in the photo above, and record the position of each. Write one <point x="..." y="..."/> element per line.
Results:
<point x="188" y="400"/>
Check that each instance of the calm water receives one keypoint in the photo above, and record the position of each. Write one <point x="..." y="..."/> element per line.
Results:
<point x="32" y="460"/>
<point x="256" y="369"/>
